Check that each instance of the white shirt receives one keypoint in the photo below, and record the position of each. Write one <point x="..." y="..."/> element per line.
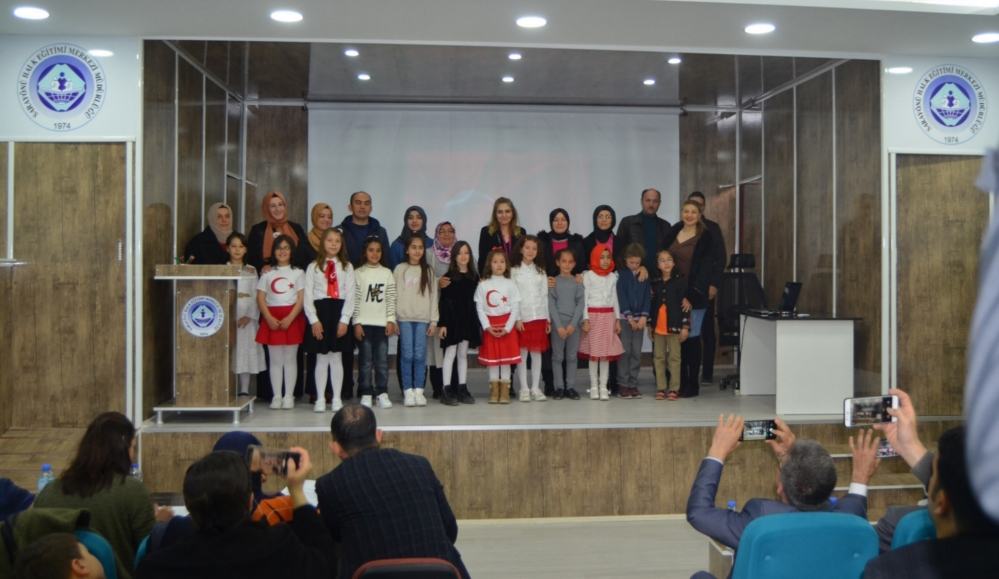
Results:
<point x="600" y="292"/>
<point x="246" y="295"/>
<point x="533" y="288"/>
<point x="315" y="289"/>
<point x="497" y="296"/>
<point x="282" y="284"/>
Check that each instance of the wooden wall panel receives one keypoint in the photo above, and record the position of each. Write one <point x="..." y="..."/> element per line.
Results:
<point x="814" y="208"/>
<point x="69" y="339"/>
<point x="776" y="71"/>
<point x="159" y="141"/>
<point x="858" y="214"/>
<point x="3" y="200"/>
<point x="750" y="76"/>
<point x="279" y="70"/>
<point x="235" y="129"/>
<point x="190" y="168"/>
<point x="751" y="232"/>
<point x="277" y="158"/>
<point x="778" y="192"/>
<point x="937" y="282"/>
<point x="708" y="79"/>
<point x="216" y="113"/>
<point x="6" y="376"/>
<point x="698" y="154"/>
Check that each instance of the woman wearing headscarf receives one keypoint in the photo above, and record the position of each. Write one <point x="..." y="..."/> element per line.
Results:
<point x="414" y="223"/>
<point x="261" y="239"/>
<point x="439" y="258"/>
<point x="604" y="220"/>
<point x="322" y="219"/>
<point x="208" y="247"/>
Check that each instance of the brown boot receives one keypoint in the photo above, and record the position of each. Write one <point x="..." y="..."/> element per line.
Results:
<point x="504" y="391"/>
<point x="494" y="388"/>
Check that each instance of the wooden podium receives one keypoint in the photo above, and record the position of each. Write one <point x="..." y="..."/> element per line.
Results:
<point x="204" y="339"/>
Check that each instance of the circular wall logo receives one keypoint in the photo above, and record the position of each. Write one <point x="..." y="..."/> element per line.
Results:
<point x="202" y="316"/>
<point x="61" y="87"/>
<point x="950" y="104"/>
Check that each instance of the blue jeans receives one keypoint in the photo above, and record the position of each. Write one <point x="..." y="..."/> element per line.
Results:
<point x="413" y="351"/>
<point x="373" y="350"/>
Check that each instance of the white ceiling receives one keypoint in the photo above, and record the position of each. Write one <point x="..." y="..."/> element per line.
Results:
<point x="644" y="25"/>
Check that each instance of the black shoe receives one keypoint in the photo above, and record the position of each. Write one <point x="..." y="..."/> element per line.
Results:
<point x="559" y="394"/>
<point x="464" y="396"/>
<point x="437" y="396"/>
<point x="571" y="394"/>
<point x="447" y="398"/>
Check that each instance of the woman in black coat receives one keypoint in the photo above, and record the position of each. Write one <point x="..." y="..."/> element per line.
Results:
<point x="604" y="220"/>
<point x="208" y="247"/>
<point x="501" y="233"/>
<point x="558" y="219"/>
<point x="689" y="241"/>
<point x="261" y="237"/>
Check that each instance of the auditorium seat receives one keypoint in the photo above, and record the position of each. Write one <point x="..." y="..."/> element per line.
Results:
<point x="413" y="568"/>
<point x="914" y="527"/>
<point x="814" y="545"/>
<point x="101" y="549"/>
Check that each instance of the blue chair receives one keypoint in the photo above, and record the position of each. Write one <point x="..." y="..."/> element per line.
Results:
<point x="100" y="548"/>
<point x="814" y="545"/>
<point x="141" y="551"/>
<point x="914" y="527"/>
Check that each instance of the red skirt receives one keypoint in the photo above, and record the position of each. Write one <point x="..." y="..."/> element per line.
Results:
<point x="534" y="338"/>
<point x="499" y="351"/>
<point x="290" y="337"/>
<point x="601" y="342"/>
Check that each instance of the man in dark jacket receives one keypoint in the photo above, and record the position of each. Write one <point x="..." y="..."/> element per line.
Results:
<point x="645" y="229"/>
<point x="359" y="225"/>
<point x="719" y="258"/>
<point x="381" y="503"/>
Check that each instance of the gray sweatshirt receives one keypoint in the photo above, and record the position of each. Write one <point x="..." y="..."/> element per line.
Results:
<point x="411" y="305"/>
<point x="565" y="302"/>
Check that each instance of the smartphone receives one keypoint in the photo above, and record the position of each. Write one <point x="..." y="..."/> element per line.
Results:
<point x="270" y="460"/>
<point x="758" y="430"/>
<point x="886" y="450"/>
<point x="867" y="411"/>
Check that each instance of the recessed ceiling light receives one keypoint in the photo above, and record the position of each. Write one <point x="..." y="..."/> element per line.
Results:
<point x="507" y="79"/>
<point x="515" y="56"/>
<point x="364" y="76"/>
<point x="760" y="28"/>
<point x="650" y="81"/>
<point x="286" y="15"/>
<point x="531" y="21"/>
<point x="986" y="37"/>
<point x="31" y="13"/>
<point x="674" y="60"/>
<point x="101" y="52"/>
<point x="351" y="52"/>
<point x="899" y="70"/>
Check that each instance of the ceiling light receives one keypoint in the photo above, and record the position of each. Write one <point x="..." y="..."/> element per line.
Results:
<point x="101" y="52"/>
<point x="31" y="13"/>
<point x="986" y="37"/>
<point x="650" y="81"/>
<point x="515" y="56"/>
<point x="351" y="52"/>
<point x="898" y="70"/>
<point x="507" y="79"/>
<point x="364" y="76"/>
<point x="531" y="22"/>
<point x="760" y="28"/>
<point x="286" y="16"/>
<point x="674" y="60"/>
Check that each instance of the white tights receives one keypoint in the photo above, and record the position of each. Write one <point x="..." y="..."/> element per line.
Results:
<point x="244" y="382"/>
<point x="535" y="369"/>
<point x="283" y="368"/>
<point x="461" y="350"/>
<point x="333" y="362"/>
<point x="499" y="372"/>
<point x="599" y="380"/>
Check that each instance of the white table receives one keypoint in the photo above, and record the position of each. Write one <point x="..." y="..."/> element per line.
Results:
<point x="806" y="362"/>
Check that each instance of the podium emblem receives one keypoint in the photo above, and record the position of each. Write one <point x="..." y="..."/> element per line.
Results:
<point x="202" y="316"/>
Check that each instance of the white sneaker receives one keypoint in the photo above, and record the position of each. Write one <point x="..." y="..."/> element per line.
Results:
<point x="409" y="398"/>
<point x="336" y="405"/>
<point x="289" y="403"/>
<point x="525" y="395"/>
<point x="420" y="399"/>
<point x="604" y="395"/>
<point x="276" y="403"/>
<point x="538" y="396"/>
<point x="320" y="406"/>
<point x="383" y="401"/>
<point x="594" y="393"/>
<point x="366" y="400"/>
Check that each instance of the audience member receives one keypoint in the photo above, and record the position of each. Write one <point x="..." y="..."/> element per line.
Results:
<point x="967" y="543"/>
<point x="57" y="556"/>
<point x="218" y="492"/>
<point x="381" y="503"/>
<point x="805" y="481"/>
<point x="13" y="499"/>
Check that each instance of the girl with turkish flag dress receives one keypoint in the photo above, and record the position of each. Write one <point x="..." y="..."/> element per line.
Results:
<point x="280" y="294"/>
<point x="497" y="302"/>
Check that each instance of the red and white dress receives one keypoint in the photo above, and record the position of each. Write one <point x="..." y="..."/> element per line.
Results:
<point x="497" y="302"/>
<point x="282" y="284"/>
<point x="533" y="287"/>
<point x="600" y="307"/>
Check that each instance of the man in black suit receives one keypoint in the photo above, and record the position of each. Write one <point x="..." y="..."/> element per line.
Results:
<point x="646" y="229"/>
<point x="719" y="256"/>
<point x="805" y="481"/>
<point x="967" y="543"/>
<point x="381" y="503"/>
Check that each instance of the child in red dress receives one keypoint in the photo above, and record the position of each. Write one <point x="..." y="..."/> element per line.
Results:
<point x="497" y="302"/>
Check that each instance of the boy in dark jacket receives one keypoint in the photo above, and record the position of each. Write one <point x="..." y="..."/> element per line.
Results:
<point x="668" y="324"/>
<point x="633" y="296"/>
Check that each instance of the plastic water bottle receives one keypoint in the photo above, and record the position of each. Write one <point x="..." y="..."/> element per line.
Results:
<point x="833" y="500"/>
<point x="135" y="472"/>
<point x="45" y="477"/>
<point x="731" y="505"/>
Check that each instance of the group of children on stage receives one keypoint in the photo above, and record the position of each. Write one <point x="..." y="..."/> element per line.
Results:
<point x="513" y="313"/>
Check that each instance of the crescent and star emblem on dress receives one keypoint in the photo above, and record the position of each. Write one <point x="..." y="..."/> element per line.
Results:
<point x="281" y="288"/>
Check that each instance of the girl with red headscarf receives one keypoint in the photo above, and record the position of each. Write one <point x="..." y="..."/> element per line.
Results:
<point x="601" y="320"/>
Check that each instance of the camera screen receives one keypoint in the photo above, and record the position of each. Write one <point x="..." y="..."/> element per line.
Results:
<point x="873" y="410"/>
<point x="757" y="429"/>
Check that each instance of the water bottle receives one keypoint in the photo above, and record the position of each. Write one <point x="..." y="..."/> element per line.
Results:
<point x="45" y="477"/>
<point x="731" y="505"/>
<point x="833" y="500"/>
<point x="135" y="472"/>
